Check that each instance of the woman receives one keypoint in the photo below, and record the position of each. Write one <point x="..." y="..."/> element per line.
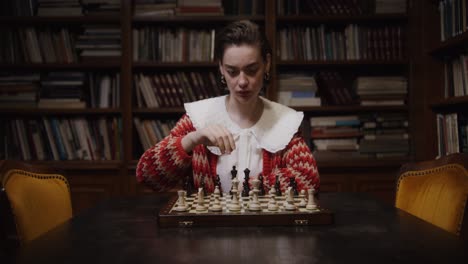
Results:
<point x="241" y="129"/>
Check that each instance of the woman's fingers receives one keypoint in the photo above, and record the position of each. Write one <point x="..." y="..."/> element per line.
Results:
<point x="228" y="140"/>
<point x="220" y="137"/>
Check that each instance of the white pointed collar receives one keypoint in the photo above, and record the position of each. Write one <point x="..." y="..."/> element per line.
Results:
<point x="273" y="131"/>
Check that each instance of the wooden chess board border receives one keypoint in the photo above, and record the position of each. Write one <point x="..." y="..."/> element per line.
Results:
<point x="166" y="218"/>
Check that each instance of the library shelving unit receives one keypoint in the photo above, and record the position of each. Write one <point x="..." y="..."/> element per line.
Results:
<point x="93" y="180"/>
<point x="90" y="180"/>
<point x="373" y="175"/>
<point x="447" y="97"/>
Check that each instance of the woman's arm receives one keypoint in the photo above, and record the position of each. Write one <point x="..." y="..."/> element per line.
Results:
<point x="296" y="161"/>
<point x="163" y="166"/>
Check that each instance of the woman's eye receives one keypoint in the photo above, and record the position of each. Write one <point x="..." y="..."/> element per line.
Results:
<point x="251" y="71"/>
<point x="232" y="72"/>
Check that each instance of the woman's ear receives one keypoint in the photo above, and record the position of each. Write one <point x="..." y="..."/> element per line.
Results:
<point x="268" y="63"/>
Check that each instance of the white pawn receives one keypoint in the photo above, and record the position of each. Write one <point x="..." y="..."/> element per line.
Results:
<point x="311" y="204"/>
<point x="272" y="205"/>
<point x="254" y="204"/>
<point x="216" y="207"/>
<point x="200" y="201"/>
<point x="303" y="201"/>
<point x="181" y="202"/>
<point x="290" y="200"/>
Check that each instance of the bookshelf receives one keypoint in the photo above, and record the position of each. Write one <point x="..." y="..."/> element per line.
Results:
<point x="444" y="51"/>
<point x="93" y="180"/>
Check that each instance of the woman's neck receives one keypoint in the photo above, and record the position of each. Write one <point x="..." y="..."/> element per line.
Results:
<point x="244" y="115"/>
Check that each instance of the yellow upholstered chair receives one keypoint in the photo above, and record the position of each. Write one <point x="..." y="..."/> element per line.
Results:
<point x="436" y="191"/>
<point x="38" y="199"/>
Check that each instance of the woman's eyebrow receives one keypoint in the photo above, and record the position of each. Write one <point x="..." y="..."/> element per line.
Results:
<point x="247" y="66"/>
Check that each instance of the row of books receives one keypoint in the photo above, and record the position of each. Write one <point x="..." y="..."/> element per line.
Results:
<point x="152" y="131"/>
<point x="298" y="89"/>
<point x="174" y="89"/>
<point x="453" y="18"/>
<point x="58" y="45"/>
<point x="58" y="8"/>
<point x="381" y="90"/>
<point x="340" y="7"/>
<point x="456" y="76"/>
<point x="60" y="90"/>
<point x="19" y="90"/>
<point x="188" y="45"/>
<point x="152" y="8"/>
<point x="54" y="138"/>
<point x="244" y="7"/>
<point x="336" y="89"/>
<point x="353" y="42"/>
<point x="98" y="42"/>
<point x="385" y="135"/>
<point x="164" y="44"/>
<point x="70" y="89"/>
<point x="333" y="88"/>
<point x="30" y="45"/>
<point x="353" y="136"/>
<point x="452" y="133"/>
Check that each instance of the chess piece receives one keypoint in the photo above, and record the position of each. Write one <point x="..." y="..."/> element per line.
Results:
<point x="302" y="197"/>
<point x="290" y="200"/>
<point x="202" y="185"/>
<point x="311" y="204"/>
<point x="216" y="207"/>
<point x="233" y="172"/>
<point x="272" y="205"/>
<point x="200" y="201"/>
<point x="181" y="202"/>
<point x="234" y="205"/>
<point x="246" y="187"/>
<point x="233" y="175"/>
<point x="246" y="183"/>
<point x="261" y="187"/>
<point x="293" y="184"/>
<point x="218" y="184"/>
<point x="278" y="186"/>
<point x="254" y="204"/>
<point x="188" y="185"/>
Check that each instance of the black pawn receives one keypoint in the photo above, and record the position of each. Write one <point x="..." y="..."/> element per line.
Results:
<point x="260" y="186"/>
<point x="233" y="172"/>
<point x="218" y="183"/>
<point x="278" y="186"/>
<point x="293" y="184"/>
<point x="188" y="185"/>
<point x="246" y="187"/>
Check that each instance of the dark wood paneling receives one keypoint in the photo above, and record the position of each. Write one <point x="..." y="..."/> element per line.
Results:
<point x="89" y="188"/>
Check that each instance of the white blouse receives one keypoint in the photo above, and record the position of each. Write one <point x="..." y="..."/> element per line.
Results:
<point x="272" y="132"/>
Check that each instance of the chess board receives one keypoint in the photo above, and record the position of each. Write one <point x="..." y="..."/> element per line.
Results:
<point x="169" y="217"/>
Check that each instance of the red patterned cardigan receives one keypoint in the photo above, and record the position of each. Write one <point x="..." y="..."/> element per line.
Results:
<point x="164" y="166"/>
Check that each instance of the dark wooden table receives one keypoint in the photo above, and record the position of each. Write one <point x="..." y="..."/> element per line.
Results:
<point x="365" y="231"/>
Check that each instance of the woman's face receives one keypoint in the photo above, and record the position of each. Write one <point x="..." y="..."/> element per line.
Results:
<point x="243" y="68"/>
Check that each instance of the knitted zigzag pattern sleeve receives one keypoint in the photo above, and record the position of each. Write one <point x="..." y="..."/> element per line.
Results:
<point x="297" y="161"/>
<point x="161" y="166"/>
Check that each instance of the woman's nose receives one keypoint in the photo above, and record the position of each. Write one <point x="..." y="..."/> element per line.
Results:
<point x="243" y="81"/>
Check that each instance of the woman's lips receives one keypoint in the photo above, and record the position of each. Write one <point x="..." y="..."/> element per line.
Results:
<point x="244" y="94"/>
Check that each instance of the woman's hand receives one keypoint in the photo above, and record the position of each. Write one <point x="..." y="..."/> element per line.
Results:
<point x="213" y="135"/>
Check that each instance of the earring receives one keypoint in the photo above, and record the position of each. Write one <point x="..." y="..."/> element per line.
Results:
<point x="223" y="80"/>
<point x="266" y="77"/>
